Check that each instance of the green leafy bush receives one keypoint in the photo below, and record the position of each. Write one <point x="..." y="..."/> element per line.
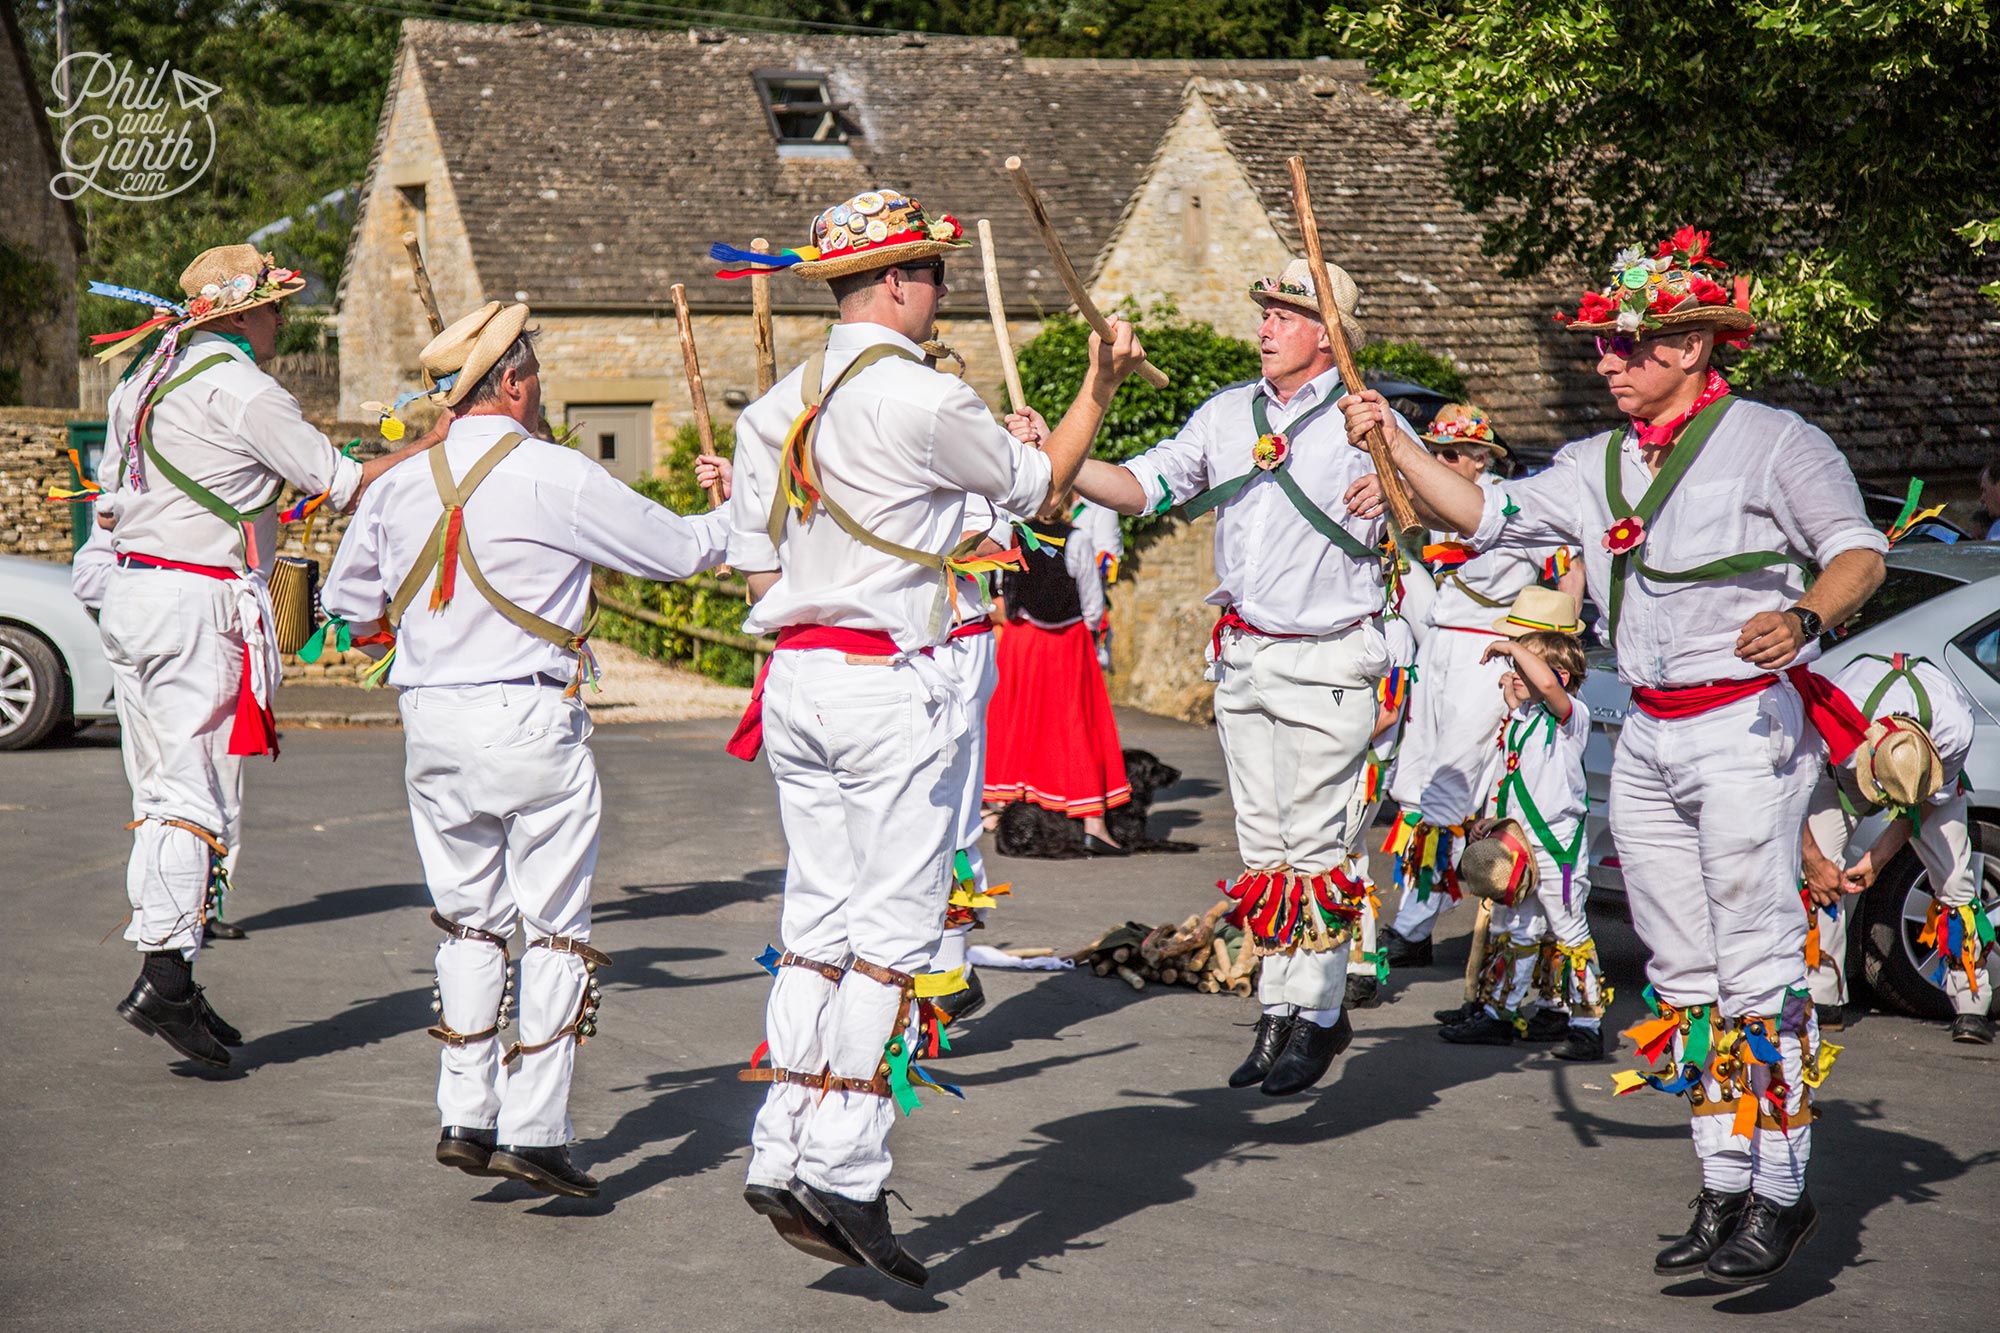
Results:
<point x="700" y="602"/>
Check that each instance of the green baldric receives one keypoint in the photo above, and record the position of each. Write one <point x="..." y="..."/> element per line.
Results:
<point x="1685" y="450"/>
<point x="1322" y="523"/>
<point x="239" y="519"/>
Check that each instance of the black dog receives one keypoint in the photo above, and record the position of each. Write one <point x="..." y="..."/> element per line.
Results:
<point x="1028" y="830"/>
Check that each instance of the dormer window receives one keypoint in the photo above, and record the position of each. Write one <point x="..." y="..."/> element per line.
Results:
<point x="804" y="118"/>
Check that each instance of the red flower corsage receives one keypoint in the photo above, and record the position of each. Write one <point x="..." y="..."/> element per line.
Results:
<point x="1269" y="452"/>
<point x="201" y="305"/>
<point x="1625" y="534"/>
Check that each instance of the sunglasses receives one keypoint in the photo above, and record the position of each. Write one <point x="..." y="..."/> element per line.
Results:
<point x="1618" y="344"/>
<point x="1447" y="455"/>
<point x="934" y="268"/>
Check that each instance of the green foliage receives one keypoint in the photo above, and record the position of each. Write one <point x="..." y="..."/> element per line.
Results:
<point x="1831" y="146"/>
<point x="693" y="603"/>
<point x="25" y="279"/>
<point x="1413" y="365"/>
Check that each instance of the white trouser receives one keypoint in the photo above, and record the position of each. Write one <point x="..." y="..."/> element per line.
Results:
<point x="1944" y="846"/>
<point x="871" y="772"/>
<point x="1575" y="980"/>
<point x="1450" y="760"/>
<point x="175" y="651"/>
<point x="1295" y="716"/>
<point x="1705" y="817"/>
<point x="505" y="804"/>
<point x="973" y="665"/>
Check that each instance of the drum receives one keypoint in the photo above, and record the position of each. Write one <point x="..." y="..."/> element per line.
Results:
<point x="294" y="585"/>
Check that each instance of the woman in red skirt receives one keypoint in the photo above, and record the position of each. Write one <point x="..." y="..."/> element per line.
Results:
<point x="1050" y="735"/>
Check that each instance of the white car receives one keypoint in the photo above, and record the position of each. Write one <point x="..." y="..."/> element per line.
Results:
<point x="53" y="675"/>
<point x="1939" y="601"/>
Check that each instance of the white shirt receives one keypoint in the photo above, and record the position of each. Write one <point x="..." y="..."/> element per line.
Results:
<point x="1767" y="481"/>
<point x="536" y="525"/>
<point x="1951" y="710"/>
<point x="1498" y="575"/>
<point x="1093" y="532"/>
<point x="1270" y="564"/>
<point x="900" y="446"/>
<point x="1551" y="764"/>
<point x="236" y="431"/>
<point x="90" y="571"/>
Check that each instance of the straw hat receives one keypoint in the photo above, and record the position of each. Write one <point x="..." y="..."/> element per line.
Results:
<point x="1499" y="866"/>
<point x="1462" y="423"/>
<point x="1672" y="290"/>
<point x="457" y="358"/>
<point x="1294" y="287"/>
<point x="1897" y="763"/>
<point x="229" y="278"/>
<point x="1539" y="608"/>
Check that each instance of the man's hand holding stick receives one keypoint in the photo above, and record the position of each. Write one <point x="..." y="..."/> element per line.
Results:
<point x="1404" y="527"/>
<point x="1039" y="215"/>
<point x="696" y="393"/>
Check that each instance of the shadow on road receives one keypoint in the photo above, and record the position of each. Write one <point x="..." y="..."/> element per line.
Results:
<point x="339" y="905"/>
<point x="643" y="902"/>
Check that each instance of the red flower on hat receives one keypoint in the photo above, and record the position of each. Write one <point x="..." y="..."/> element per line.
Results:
<point x="1625" y="535"/>
<point x="1595" y="308"/>
<point x="1707" y="290"/>
<point x="201" y="305"/>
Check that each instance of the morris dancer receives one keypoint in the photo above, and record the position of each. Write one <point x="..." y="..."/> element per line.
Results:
<point x="503" y="787"/>
<point x="848" y="518"/>
<point x="1541" y="799"/>
<point x="1296" y="655"/>
<point x="1449" y="763"/>
<point x="1368" y="965"/>
<point x="1912" y="763"/>
<point x="204" y="442"/>
<point x="1702" y="582"/>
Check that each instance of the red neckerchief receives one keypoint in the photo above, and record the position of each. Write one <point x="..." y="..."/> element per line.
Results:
<point x="1660" y="437"/>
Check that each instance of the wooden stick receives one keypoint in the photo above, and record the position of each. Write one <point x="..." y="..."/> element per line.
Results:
<point x="424" y="292"/>
<point x="1017" y="401"/>
<point x="1039" y="215"/>
<point x="696" y="394"/>
<point x="1475" y="960"/>
<point x="760" y="323"/>
<point x="1402" y="514"/>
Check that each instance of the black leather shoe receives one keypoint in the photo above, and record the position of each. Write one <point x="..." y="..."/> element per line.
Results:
<point x="799" y="1228"/>
<point x="1096" y="846"/>
<point x="1832" y="1017"/>
<point x="467" y="1149"/>
<point x="1363" y="990"/>
<point x="1582" y="1044"/>
<point x="1408" y="953"/>
<point x="1976" y="1028"/>
<point x="961" y="1005"/>
<point x="1765" y="1241"/>
<point x="180" y="1024"/>
<point x="1547" y="1024"/>
<point x="216" y="928"/>
<point x="1715" y="1218"/>
<point x="1308" y="1054"/>
<point x="1272" y="1029"/>
<point x="1465" y="1012"/>
<point x="223" y="1030"/>
<point x="865" y="1228"/>
<point x="546" y="1169"/>
<point x="1482" y="1029"/>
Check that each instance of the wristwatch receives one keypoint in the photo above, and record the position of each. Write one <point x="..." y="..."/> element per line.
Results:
<point x="1809" y="622"/>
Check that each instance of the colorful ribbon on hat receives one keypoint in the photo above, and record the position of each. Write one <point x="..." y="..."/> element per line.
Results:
<point x="757" y="261"/>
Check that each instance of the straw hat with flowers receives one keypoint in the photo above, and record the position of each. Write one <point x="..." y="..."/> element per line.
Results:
<point x="1672" y="290"/>
<point x="1461" y="423"/>
<point x="1294" y="287"/>
<point x="875" y="229"/>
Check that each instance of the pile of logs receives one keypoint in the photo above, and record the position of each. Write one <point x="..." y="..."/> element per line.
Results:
<point x="1203" y="952"/>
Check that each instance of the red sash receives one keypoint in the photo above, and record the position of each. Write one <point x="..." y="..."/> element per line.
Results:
<point x="255" y="730"/>
<point x="748" y="738"/>
<point x="983" y="625"/>
<point x="1229" y="619"/>
<point x="1828" y="709"/>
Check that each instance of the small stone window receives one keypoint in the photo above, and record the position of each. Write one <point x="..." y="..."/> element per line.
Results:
<point x="802" y="112"/>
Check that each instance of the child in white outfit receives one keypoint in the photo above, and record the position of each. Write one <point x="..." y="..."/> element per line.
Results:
<point x="1544" y="940"/>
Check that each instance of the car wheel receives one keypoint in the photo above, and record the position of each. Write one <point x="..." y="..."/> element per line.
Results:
<point x="34" y="692"/>
<point x="1893" y="915"/>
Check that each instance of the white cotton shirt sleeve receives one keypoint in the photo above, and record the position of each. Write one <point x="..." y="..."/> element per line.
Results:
<point x="90" y="571"/>
<point x="1817" y="505"/>
<point x="357" y="587"/>
<point x="971" y="450"/>
<point x="1175" y="470"/>
<point x="281" y="438"/>
<point x="614" y="526"/>
<point x="1543" y="510"/>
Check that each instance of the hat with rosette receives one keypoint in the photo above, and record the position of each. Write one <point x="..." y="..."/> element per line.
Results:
<point x="876" y="229"/>
<point x="1672" y="290"/>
